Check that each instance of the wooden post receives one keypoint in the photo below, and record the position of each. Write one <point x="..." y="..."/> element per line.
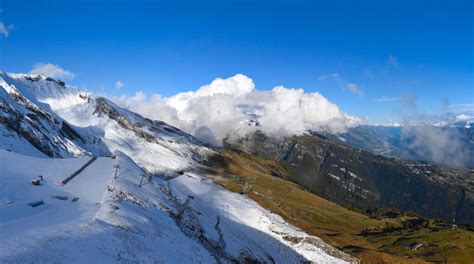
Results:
<point x="149" y="177"/>
<point x="143" y="176"/>
<point x="116" y="166"/>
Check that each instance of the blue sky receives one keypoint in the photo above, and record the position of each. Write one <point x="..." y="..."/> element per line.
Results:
<point x="361" y="55"/>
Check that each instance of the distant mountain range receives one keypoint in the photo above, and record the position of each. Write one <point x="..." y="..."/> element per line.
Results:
<point x="450" y="144"/>
<point x="360" y="179"/>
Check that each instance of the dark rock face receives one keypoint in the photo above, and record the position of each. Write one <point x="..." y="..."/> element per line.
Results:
<point x="70" y="133"/>
<point x="46" y="132"/>
<point x="363" y="180"/>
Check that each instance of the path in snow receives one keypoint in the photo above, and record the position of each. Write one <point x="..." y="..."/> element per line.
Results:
<point x="16" y="191"/>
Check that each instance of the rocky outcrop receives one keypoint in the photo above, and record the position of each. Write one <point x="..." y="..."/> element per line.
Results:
<point x="45" y="131"/>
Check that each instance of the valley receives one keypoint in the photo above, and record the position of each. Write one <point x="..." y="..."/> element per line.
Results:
<point x="236" y="132"/>
<point x="383" y="235"/>
<point x="362" y="180"/>
<point x="155" y="188"/>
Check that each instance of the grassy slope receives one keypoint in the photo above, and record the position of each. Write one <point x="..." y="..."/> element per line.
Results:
<point x="337" y="225"/>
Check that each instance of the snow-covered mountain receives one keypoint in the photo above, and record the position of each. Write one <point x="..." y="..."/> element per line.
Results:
<point x="109" y="126"/>
<point x="29" y="126"/>
<point x="147" y="198"/>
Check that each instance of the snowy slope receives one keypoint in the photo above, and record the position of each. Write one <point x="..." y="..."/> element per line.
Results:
<point x="144" y="140"/>
<point x="30" y="127"/>
<point x="240" y="227"/>
<point x="16" y="191"/>
<point x="156" y="146"/>
<point x="116" y="220"/>
<point x="159" y="208"/>
<point x="62" y="231"/>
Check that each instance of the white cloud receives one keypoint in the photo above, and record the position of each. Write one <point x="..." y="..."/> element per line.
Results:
<point x="392" y="60"/>
<point x="437" y="143"/>
<point x="430" y="142"/>
<point x="5" y="30"/>
<point x="53" y="71"/>
<point x="237" y="85"/>
<point x="387" y="99"/>
<point x="224" y="108"/>
<point x="463" y="117"/>
<point x="352" y="87"/>
<point x="287" y="111"/>
<point x="119" y="85"/>
<point x="333" y="76"/>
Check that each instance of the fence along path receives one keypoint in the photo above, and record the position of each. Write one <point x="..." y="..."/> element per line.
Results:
<point x="74" y="174"/>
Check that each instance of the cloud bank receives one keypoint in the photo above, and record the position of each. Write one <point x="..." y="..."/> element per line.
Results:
<point x="441" y="144"/>
<point x="234" y="107"/>
<point x="53" y="71"/>
<point x="464" y="117"/>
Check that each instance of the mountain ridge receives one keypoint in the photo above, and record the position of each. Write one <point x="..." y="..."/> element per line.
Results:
<point x="150" y="177"/>
<point x="183" y="173"/>
<point x="363" y="180"/>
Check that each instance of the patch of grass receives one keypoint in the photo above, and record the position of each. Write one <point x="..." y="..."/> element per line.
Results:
<point x="388" y="236"/>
